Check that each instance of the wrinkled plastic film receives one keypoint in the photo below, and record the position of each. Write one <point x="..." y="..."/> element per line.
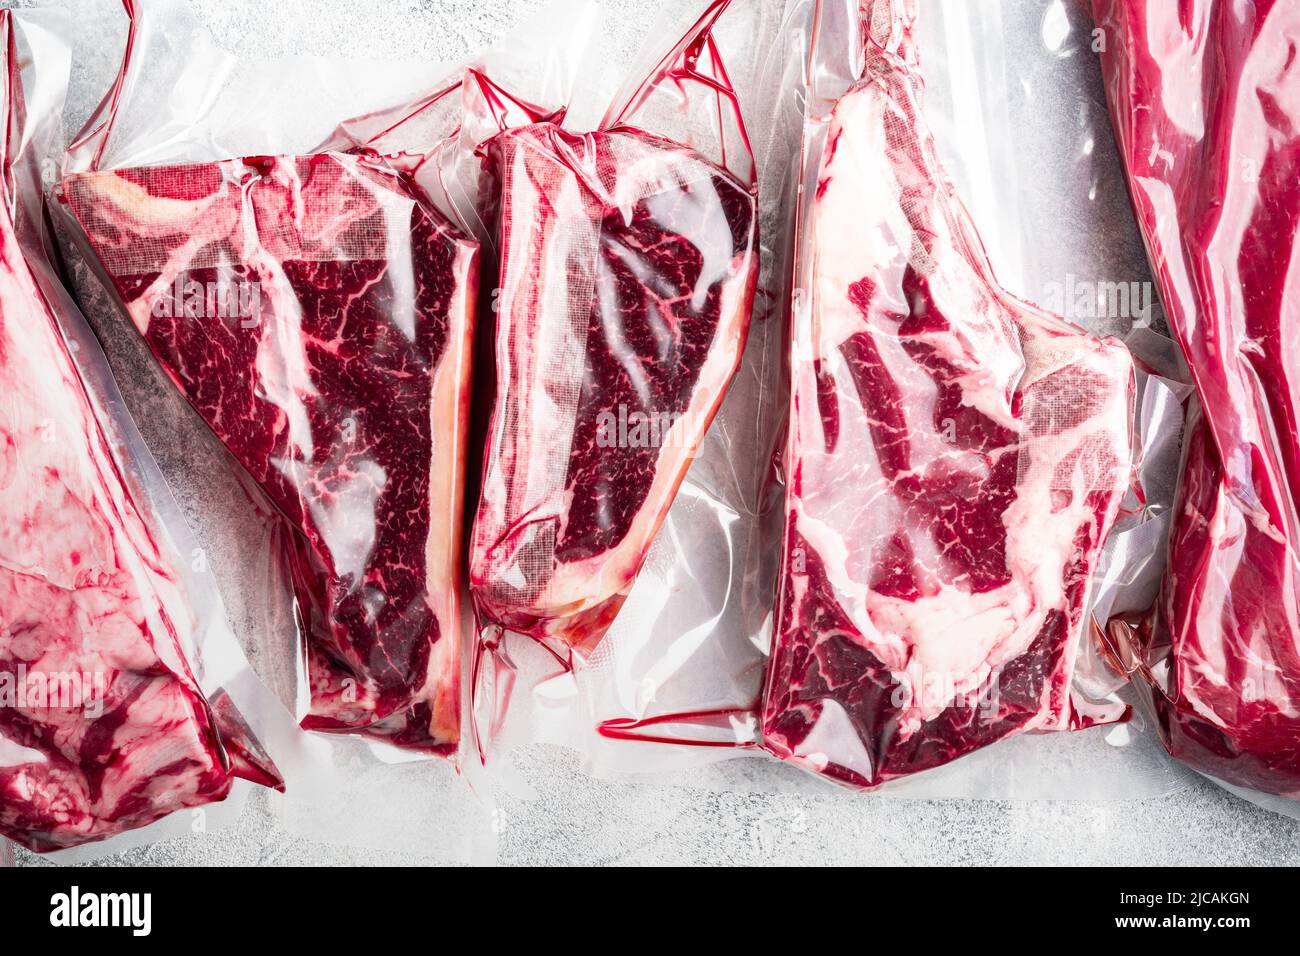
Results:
<point x="539" y="386"/>
<point x="985" y="66"/>
<point x="688" y="97"/>
<point x="468" y="108"/>
<point x="232" y="267"/>
<point x="1044" y="62"/>
<point x="947" y="37"/>
<point x="198" y="675"/>
<point x="660" y="705"/>
<point x="183" y="98"/>
<point x="354" y="206"/>
<point x="620" y="667"/>
<point x="372" y="172"/>
<point x="564" y="571"/>
<point x="1203" y="107"/>
<point x="683" y="693"/>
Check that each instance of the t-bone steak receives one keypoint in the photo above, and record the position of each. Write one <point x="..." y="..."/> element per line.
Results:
<point x="955" y="461"/>
<point x="103" y="726"/>
<point x="627" y="278"/>
<point x="316" y="311"/>
<point x="1205" y="100"/>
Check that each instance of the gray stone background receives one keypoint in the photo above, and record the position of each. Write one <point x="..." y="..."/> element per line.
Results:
<point x="571" y="818"/>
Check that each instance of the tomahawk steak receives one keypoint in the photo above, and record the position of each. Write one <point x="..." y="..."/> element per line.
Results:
<point x="955" y="461"/>
<point x="316" y="311"/>
<point x="103" y="726"/>
<point x="626" y="283"/>
<point x="1205" y="100"/>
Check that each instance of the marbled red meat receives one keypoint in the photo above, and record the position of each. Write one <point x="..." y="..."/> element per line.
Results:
<point x="103" y="725"/>
<point x="316" y="311"/>
<point x="626" y="284"/>
<point x="1205" y="99"/>
<point x="955" y="461"/>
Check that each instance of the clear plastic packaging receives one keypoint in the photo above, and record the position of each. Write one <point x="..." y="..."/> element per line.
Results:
<point x="1205" y="109"/>
<point x="627" y="275"/>
<point x="189" y="101"/>
<point x="619" y="500"/>
<point x="317" y="311"/>
<point x="956" y="458"/>
<point x="673" y="689"/>
<point x="985" y="68"/>
<point x="124" y="696"/>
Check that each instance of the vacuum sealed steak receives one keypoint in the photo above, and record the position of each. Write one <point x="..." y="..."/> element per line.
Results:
<point x="955" y="460"/>
<point x="628" y="266"/>
<point x="316" y="311"/>
<point x="1205" y="100"/>
<point x="103" y="725"/>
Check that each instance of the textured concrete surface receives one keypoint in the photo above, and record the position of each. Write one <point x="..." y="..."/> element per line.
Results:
<point x="574" y="820"/>
<point x="556" y="814"/>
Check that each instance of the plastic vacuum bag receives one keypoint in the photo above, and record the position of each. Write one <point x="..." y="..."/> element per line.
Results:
<point x="205" y="106"/>
<point x="612" y="556"/>
<point x="956" y="458"/>
<point x="673" y="689"/>
<point x="316" y="309"/>
<point x="626" y="283"/>
<point x="123" y="694"/>
<point x="863" y="718"/>
<point x="1205" y="101"/>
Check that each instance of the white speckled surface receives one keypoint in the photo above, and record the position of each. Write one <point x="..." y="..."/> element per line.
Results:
<point x="571" y="818"/>
<point x="574" y="820"/>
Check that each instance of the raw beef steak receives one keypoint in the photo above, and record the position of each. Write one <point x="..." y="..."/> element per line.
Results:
<point x="103" y="726"/>
<point x="1205" y="100"/>
<point x="317" y="313"/>
<point x="956" y="459"/>
<point x="627" y="278"/>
